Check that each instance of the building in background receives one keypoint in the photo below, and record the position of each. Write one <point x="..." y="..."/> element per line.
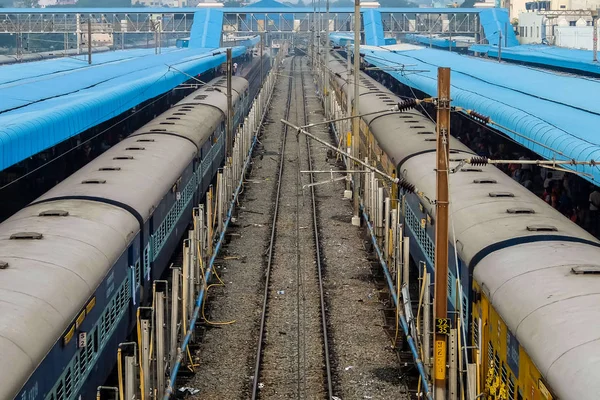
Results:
<point x="564" y="23"/>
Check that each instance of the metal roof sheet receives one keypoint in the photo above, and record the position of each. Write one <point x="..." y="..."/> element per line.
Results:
<point x="41" y="110"/>
<point x="551" y="56"/>
<point x="556" y="110"/>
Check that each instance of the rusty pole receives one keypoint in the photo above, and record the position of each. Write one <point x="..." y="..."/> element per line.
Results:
<point x="229" y="133"/>
<point x="442" y="324"/>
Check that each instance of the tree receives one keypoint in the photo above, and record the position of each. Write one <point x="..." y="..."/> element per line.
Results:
<point x="31" y="3"/>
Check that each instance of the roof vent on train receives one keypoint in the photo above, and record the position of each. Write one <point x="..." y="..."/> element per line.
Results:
<point x="541" y="228"/>
<point x="166" y="123"/>
<point x="26" y="236"/>
<point x="109" y="169"/>
<point x="471" y="170"/>
<point x="53" y="213"/>
<point x="520" y="210"/>
<point x="405" y="116"/>
<point x="424" y="133"/>
<point x="209" y="89"/>
<point x="158" y="130"/>
<point x="431" y="139"/>
<point x="416" y="126"/>
<point x="145" y="140"/>
<point x="3" y="265"/>
<point x="94" y="182"/>
<point x="123" y="158"/>
<point x="135" y="148"/>
<point x="176" y="118"/>
<point x="179" y="113"/>
<point x="501" y="194"/>
<point x="485" y="180"/>
<point x="588" y="269"/>
<point x="201" y="97"/>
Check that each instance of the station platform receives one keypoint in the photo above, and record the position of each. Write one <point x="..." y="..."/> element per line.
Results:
<point x="555" y="110"/>
<point x="572" y="60"/>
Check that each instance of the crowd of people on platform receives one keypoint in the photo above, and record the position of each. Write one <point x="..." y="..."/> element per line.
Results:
<point x="571" y="195"/>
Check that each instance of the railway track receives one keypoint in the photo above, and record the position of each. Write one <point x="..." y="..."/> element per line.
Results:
<point x="292" y="356"/>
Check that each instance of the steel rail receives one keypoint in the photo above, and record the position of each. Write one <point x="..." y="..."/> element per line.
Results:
<point x="259" y="349"/>
<point x="318" y="253"/>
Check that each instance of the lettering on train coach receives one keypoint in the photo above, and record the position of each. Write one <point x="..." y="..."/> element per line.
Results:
<point x="110" y="284"/>
<point x="30" y="394"/>
<point x="512" y="353"/>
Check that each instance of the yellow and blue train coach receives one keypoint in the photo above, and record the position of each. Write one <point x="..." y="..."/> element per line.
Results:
<point x="530" y="276"/>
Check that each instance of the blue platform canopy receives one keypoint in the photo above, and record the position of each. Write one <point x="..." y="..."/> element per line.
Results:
<point x="558" y="111"/>
<point x="50" y="101"/>
<point x="546" y="56"/>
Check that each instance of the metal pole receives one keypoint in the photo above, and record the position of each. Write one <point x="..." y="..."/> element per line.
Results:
<point x="500" y="46"/>
<point x="427" y="322"/>
<point x="160" y="339"/>
<point x="326" y="73"/>
<point x="130" y="374"/>
<point x="159" y="36"/>
<point x="145" y="351"/>
<point x="453" y="383"/>
<point x="355" y="111"/>
<point x="175" y="277"/>
<point x="406" y="261"/>
<point x="89" y="40"/>
<point x="229" y="133"/>
<point x="595" y="41"/>
<point x="262" y="41"/>
<point x="441" y="234"/>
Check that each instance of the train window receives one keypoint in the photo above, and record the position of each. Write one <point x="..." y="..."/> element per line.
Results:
<point x="93" y="182"/>
<point x="586" y="269"/>
<point x="53" y="213"/>
<point x="520" y="210"/>
<point x="145" y="140"/>
<point x="519" y="394"/>
<point x="135" y="148"/>
<point x="541" y="228"/>
<point x="26" y="236"/>
<point x="501" y="194"/>
<point x="484" y="180"/>
<point x="109" y="169"/>
<point x="511" y="387"/>
<point x="471" y="170"/>
<point x="3" y="265"/>
<point x="123" y="158"/>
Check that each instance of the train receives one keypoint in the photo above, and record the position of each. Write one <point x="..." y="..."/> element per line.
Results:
<point x="77" y="263"/>
<point x="529" y="275"/>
